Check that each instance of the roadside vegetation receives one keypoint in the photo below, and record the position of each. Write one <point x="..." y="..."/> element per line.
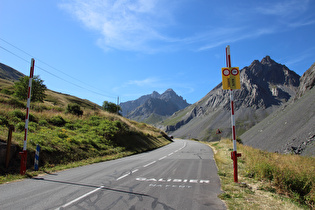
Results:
<point x="266" y="180"/>
<point x="70" y="131"/>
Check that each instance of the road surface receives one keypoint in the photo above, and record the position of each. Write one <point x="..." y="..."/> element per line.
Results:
<point x="181" y="175"/>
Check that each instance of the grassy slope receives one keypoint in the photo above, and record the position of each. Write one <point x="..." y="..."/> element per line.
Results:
<point x="65" y="138"/>
<point x="266" y="180"/>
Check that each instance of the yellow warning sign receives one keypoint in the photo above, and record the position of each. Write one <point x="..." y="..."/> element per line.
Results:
<point x="231" y="78"/>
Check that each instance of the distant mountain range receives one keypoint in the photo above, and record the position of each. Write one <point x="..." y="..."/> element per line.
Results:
<point x="153" y="107"/>
<point x="265" y="85"/>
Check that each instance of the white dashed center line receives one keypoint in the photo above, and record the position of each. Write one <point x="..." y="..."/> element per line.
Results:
<point x="162" y="158"/>
<point x="149" y="164"/>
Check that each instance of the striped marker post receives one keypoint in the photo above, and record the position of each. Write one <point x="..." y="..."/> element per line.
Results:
<point x="24" y="152"/>
<point x="36" y="157"/>
<point x="234" y="154"/>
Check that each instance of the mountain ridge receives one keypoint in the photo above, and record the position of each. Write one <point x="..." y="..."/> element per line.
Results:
<point x="265" y="86"/>
<point x="153" y="107"/>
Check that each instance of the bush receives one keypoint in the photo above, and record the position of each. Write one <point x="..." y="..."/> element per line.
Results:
<point x="43" y="122"/>
<point x="32" y="118"/>
<point x="32" y="127"/>
<point x="39" y="107"/>
<point x="57" y="121"/>
<point x="16" y="103"/>
<point x="6" y="91"/>
<point x="4" y="121"/>
<point x="74" y="109"/>
<point x="239" y="140"/>
<point x="20" y="126"/>
<point x="17" y="113"/>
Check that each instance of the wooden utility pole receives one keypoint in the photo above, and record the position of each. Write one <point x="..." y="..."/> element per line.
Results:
<point x="7" y="158"/>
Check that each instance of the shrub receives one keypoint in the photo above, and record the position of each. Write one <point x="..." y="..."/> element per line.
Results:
<point x="239" y="140"/>
<point x="17" y="113"/>
<point x="6" y="91"/>
<point x="20" y="126"/>
<point x="32" y="127"/>
<point x="32" y="118"/>
<point x="95" y="121"/>
<point x="39" y="107"/>
<point x="4" y="121"/>
<point x="74" y="109"/>
<point x="43" y="122"/>
<point x="57" y="121"/>
<point x="16" y="103"/>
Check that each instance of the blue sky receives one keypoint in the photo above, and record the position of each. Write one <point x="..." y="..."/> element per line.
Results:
<point x="101" y="49"/>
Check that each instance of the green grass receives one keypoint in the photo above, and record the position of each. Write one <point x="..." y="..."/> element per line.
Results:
<point x="68" y="140"/>
<point x="266" y="180"/>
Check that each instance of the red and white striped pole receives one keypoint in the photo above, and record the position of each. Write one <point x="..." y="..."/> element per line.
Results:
<point x="234" y="154"/>
<point x="24" y="153"/>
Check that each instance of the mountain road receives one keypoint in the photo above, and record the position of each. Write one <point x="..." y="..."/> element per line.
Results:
<point x="181" y="175"/>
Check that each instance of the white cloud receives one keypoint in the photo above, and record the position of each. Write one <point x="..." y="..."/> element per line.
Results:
<point x="123" y="24"/>
<point x="152" y="82"/>
<point x="284" y="8"/>
<point x="236" y="35"/>
<point x="148" y="25"/>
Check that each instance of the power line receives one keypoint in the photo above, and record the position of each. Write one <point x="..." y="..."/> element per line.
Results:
<point x="37" y="59"/>
<point x="54" y="69"/>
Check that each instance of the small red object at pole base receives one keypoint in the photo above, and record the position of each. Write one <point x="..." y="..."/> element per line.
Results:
<point x="23" y="162"/>
<point x="234" y="156"/>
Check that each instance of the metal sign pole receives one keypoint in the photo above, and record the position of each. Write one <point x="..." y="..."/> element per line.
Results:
<point x="24" y="153"/>
<point x="234" y="154"/>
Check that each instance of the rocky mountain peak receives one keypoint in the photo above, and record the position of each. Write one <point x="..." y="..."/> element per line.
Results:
<point x="155" y="94"/>
<point x="160" y="105"/>
<point x="267" y="61"/>
<point x="265" y="85"/>
<point x="169" y="94"/>
<point x="270" y="72"/>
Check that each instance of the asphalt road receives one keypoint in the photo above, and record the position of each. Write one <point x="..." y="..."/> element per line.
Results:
<point x="181" y="175"/>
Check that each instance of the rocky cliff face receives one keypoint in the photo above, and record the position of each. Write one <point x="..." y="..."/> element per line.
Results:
<point x="289" y="129"/>
<point x="265" y="85"/>
<point x="307" y="81"/>
<point x="154" y="106"/>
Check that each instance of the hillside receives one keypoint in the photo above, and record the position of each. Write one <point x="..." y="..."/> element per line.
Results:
<point x="154" y="107"/>
<point x="65" y="137"/>
<point x="291" y="128"/>
<point x="265" y="86"/>
<point x="8" y="73"/>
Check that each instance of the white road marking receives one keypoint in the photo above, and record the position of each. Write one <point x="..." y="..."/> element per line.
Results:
<point x="196" y="181"/>
<point x="127" y="174"/>
<point x="162" y="158"/>
<point x="149" y="164"/>
<point x="170" y="153"/>
<point x="79" y="198"/>
<point x="123" y="176"/>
